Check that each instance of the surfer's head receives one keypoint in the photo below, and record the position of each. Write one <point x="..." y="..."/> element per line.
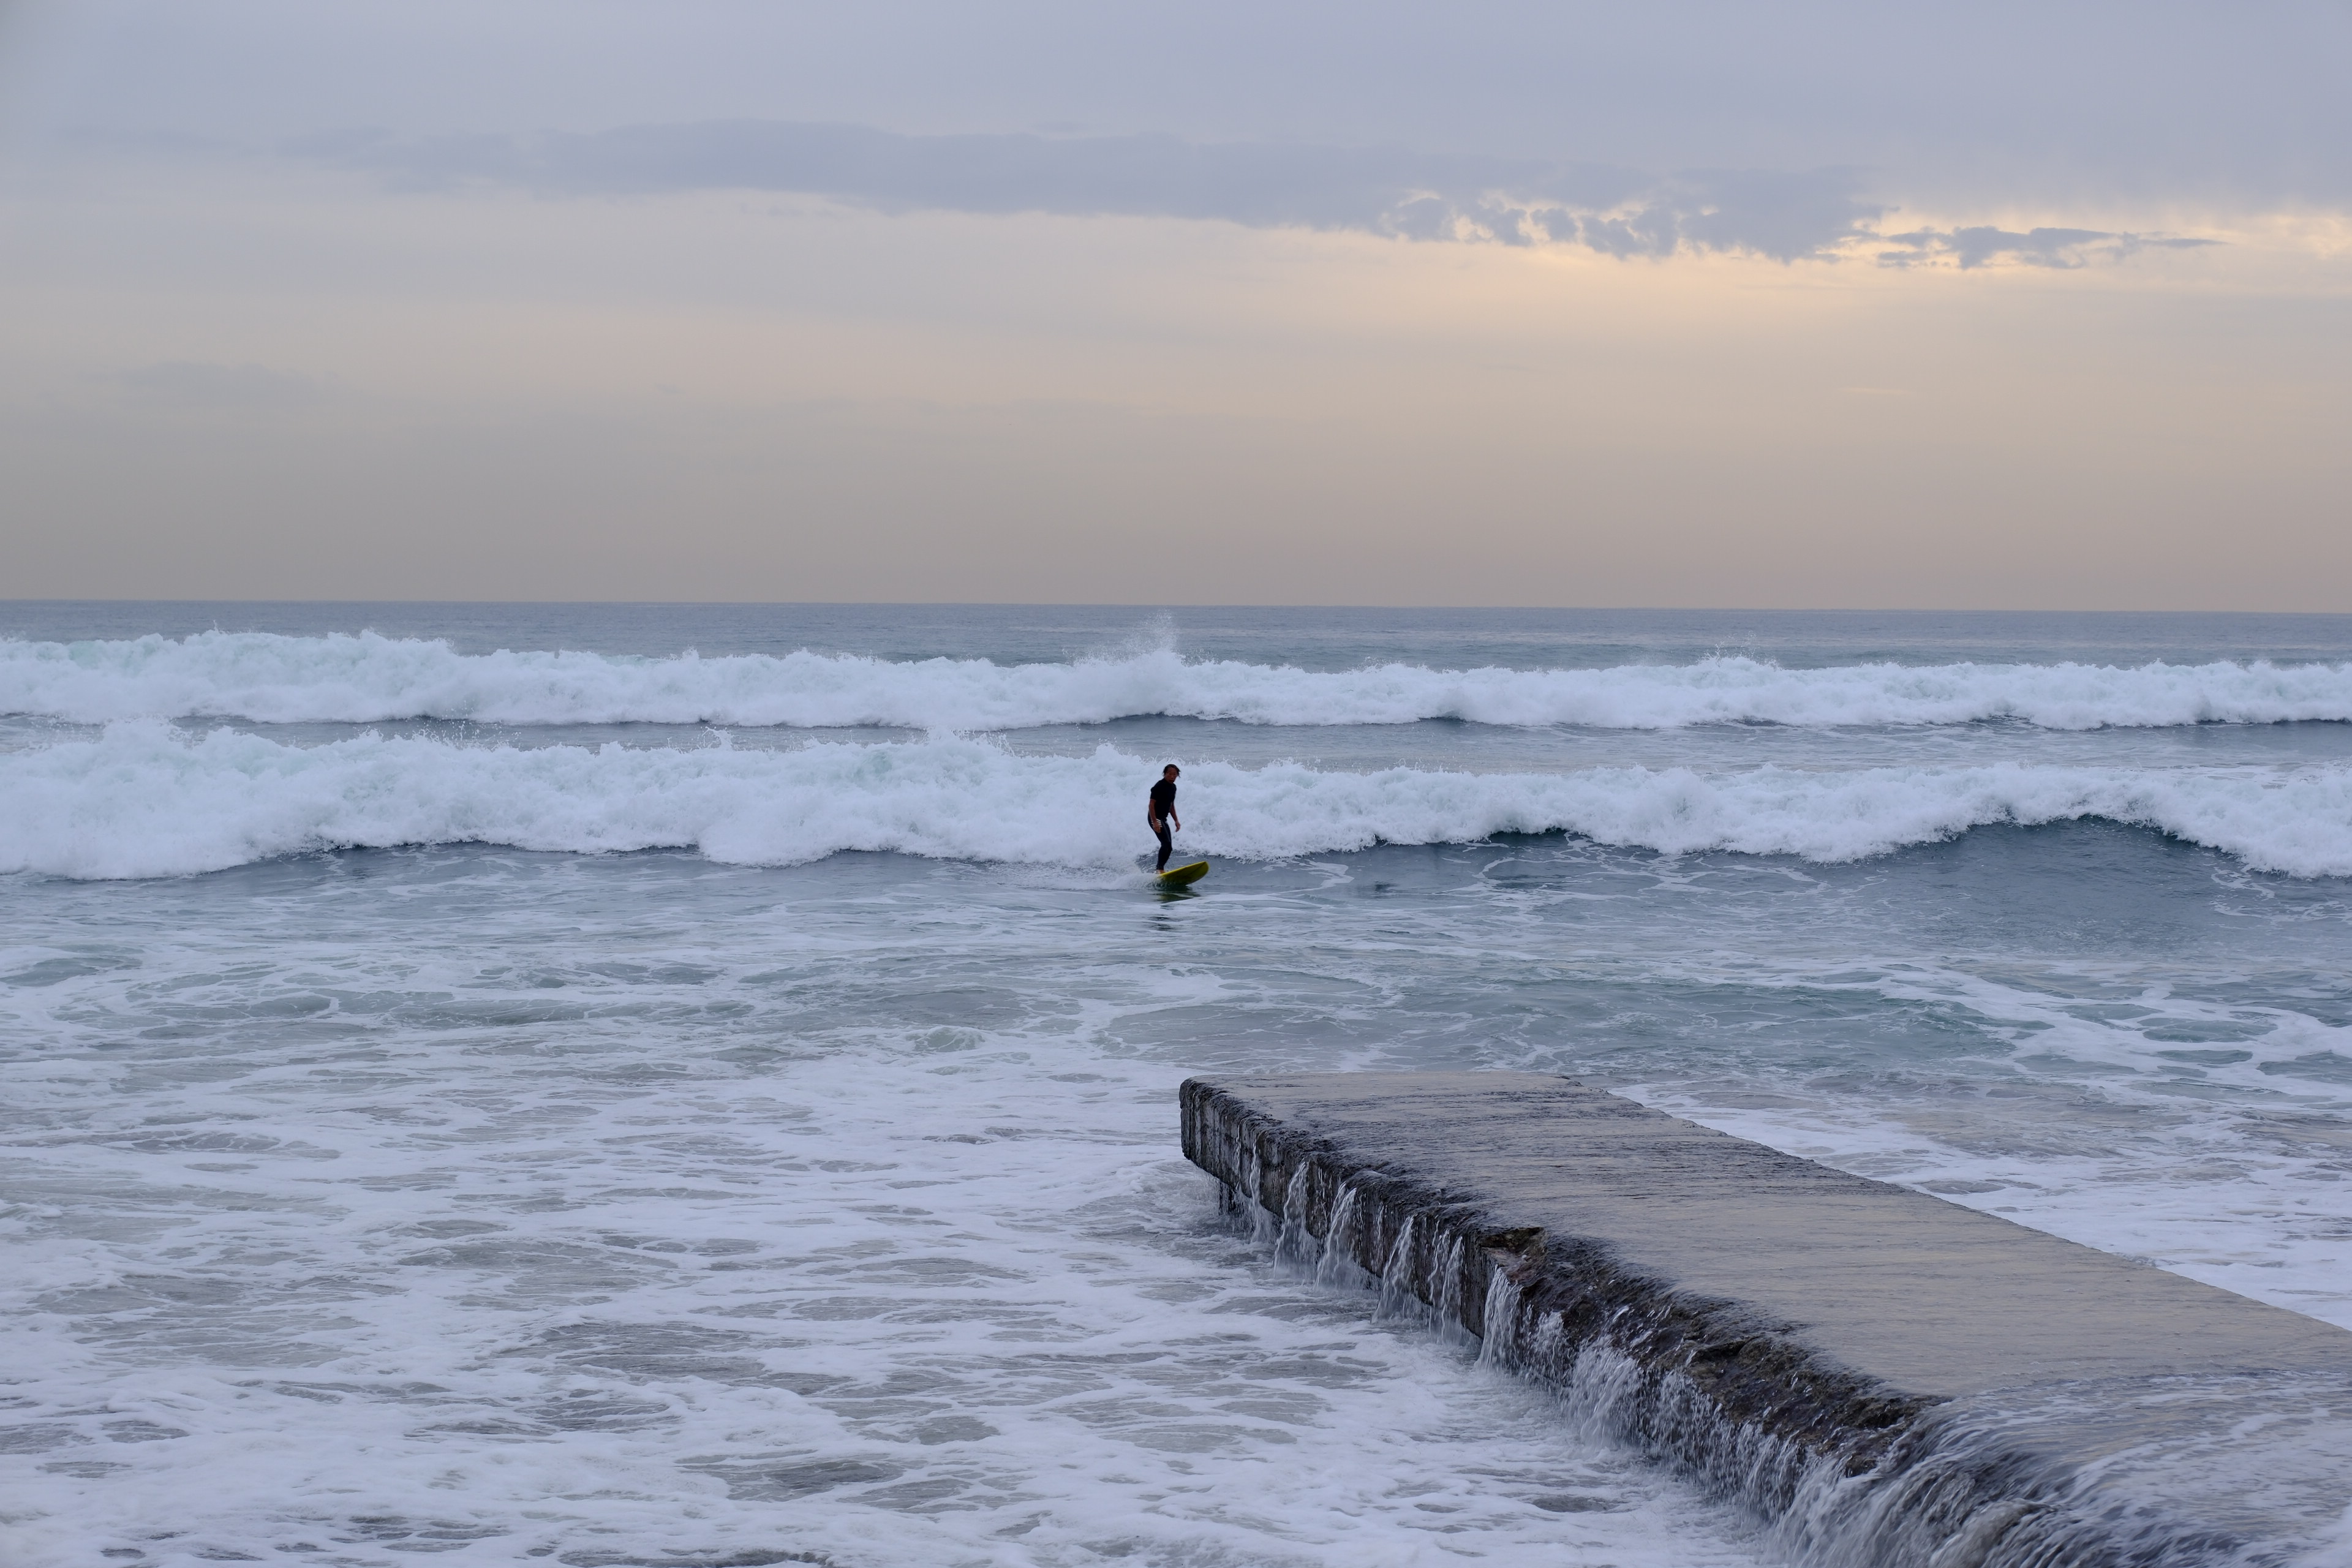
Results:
<point x="1171" y="771"/>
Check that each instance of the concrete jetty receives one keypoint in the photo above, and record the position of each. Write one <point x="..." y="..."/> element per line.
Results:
<point x="1890" y="1378"/>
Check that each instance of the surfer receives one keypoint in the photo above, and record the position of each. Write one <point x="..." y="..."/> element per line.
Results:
<point x="1162" y="813"/>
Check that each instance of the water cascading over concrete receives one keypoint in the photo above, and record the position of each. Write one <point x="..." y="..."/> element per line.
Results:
<point x="1892" y="1379"/>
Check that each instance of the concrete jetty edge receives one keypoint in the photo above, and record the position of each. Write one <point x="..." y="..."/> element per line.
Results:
<point x="1890" y="1378"/>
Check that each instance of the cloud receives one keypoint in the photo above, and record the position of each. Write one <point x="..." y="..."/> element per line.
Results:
<point x="1985" y="245"/>
<point x="1375" y="189"/>
<point x="1784" y="214"/>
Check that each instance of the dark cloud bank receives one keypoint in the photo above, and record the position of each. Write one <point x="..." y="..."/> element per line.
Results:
<point x="1388" y="190"/>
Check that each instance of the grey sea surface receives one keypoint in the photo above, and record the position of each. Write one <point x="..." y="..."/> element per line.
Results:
<point x="399" y="1162"/>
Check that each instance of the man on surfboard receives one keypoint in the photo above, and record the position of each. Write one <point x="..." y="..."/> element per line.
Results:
<point x="1162" y="813"/>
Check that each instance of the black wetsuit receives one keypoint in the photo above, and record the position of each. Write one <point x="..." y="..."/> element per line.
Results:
<point x="1164" y="808"/>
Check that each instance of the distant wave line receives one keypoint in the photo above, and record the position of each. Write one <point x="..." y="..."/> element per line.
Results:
<point x="265" y="678"/>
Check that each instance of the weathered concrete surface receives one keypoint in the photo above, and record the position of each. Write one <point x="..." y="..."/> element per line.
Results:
<point x="1897" y="1378"/>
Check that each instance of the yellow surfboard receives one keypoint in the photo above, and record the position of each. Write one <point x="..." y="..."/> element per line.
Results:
<point x="1178" y="876"/>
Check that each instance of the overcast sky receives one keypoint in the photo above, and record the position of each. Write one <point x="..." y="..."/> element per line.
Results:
<point x="1997" y="305"/>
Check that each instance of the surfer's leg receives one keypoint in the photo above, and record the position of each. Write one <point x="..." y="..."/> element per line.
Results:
<point x="1166" y="847"/>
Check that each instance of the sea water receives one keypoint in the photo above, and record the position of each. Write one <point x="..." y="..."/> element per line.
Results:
<point x="634" y="1085"/>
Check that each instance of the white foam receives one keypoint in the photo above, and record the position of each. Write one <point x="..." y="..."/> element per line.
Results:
<point x="369" y="678"/>
<point x="144" y="800"/>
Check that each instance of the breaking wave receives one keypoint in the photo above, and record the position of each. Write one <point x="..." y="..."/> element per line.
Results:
<point x="142" y="800"/>
<point x="367" y="678"/>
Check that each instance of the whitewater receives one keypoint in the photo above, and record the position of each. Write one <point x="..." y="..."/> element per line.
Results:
<point x="695" y="1085"/>
<point x="146" y="801"/>
<point x="367" y="677"/>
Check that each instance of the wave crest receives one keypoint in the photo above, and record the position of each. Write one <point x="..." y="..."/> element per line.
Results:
<point x="367" y="678"/>
<point x="146" y="801"/>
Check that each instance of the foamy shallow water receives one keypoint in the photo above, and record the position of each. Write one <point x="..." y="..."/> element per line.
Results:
<point x="627" y="1210"/>
<point x="610" y="1208"/>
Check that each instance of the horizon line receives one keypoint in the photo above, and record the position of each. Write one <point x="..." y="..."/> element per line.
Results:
<point x="1171" y="606"/>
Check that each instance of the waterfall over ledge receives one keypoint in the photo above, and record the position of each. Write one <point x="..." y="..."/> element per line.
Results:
<point x="1892" y="1379"/>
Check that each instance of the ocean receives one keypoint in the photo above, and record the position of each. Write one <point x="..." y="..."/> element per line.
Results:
<point x="697" y="1085"/>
